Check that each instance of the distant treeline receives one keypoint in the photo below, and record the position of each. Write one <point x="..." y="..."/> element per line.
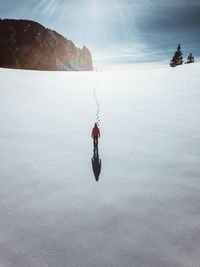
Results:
<point x="178" y="58"/>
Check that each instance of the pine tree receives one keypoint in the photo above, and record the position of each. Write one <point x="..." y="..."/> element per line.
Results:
<point x="190" y="58"/>
<point x="177" y="58"/>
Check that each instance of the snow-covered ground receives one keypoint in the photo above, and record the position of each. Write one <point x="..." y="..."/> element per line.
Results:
<point x="143" y="212"/>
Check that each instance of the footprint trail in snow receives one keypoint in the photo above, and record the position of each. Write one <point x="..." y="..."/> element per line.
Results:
<point x="97" y="103"/>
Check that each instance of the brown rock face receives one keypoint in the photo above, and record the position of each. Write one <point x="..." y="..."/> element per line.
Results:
<point x="27" y="44"/>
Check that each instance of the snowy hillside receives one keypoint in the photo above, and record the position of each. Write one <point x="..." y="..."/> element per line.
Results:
<point x="144" y="211"/>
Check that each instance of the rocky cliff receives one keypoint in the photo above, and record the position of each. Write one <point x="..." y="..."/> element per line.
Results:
<point x="26" y="44"/>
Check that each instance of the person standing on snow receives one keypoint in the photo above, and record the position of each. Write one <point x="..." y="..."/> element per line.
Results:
<point x="95" y="134"/>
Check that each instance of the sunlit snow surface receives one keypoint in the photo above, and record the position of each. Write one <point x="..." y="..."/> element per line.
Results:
<point x="145" y="209"/>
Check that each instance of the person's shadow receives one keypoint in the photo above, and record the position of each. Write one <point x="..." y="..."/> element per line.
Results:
<point x="96" y="163"/>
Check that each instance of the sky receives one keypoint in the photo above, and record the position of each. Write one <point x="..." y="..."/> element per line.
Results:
<point x="118" y="32"/>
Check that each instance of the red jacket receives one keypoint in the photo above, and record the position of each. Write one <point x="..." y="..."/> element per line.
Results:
<point x="96" y="132"/>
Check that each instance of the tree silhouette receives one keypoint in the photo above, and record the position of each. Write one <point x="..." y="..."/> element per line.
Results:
<point x="177" y="58"/>
<point x="190" y="58"/>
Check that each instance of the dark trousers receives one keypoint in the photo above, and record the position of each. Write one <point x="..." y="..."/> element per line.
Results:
<point x="95" y="140"/>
